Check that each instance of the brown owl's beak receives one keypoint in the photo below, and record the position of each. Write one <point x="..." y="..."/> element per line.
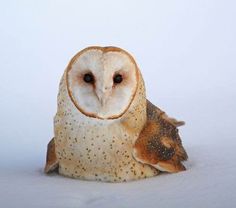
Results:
<point x="103" y="95"/>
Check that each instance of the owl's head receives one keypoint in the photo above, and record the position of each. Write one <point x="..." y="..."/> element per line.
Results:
<point x="102" y="81"/>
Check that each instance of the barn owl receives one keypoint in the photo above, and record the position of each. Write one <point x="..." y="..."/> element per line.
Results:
<point x="105" y="129"/>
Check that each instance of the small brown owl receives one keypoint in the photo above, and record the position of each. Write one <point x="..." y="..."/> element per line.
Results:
<point x="105" y="129"/>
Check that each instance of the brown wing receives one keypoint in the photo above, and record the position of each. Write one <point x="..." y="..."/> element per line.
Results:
<point x="51" y="160"/>
<point x="159" y="143"/>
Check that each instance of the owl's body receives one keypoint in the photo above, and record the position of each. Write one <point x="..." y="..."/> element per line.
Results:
<point x="93" y="143"/>
<point x="97" y="149"/>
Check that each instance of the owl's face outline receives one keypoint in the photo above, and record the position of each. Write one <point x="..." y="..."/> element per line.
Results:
<point x="102" y="81"/>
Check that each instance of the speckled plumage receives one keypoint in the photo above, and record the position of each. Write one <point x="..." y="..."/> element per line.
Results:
<point x="103" y="149"/>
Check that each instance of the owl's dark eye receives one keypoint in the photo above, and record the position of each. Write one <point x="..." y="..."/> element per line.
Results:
<point x="117" y="79"/>
<point x="89" y="78"/>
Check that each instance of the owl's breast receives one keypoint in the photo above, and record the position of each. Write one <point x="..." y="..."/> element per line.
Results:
<point x="98" y="151"/>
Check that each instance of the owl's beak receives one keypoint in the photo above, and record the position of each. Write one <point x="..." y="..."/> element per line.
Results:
<point x="103" y="95"/>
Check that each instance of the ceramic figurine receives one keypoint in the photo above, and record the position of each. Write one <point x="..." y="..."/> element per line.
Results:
<point x="105" y="129"/>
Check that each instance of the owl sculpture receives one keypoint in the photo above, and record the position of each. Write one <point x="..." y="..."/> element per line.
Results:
<point x="105" y="129"/>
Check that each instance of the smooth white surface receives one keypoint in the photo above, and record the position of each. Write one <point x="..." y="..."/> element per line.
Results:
<point x="186" y="51"/>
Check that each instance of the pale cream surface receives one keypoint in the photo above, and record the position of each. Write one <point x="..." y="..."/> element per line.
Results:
<point x="95" y="149"/>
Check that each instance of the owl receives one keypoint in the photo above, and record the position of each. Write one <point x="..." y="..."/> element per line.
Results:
<point x="105" y="129"/>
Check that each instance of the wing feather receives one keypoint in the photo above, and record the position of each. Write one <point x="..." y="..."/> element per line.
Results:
<point x="159" y="143"/>
<point x="51" y="160"/>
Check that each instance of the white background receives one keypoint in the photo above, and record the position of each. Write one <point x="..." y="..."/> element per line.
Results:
<point x="186" y="51"/>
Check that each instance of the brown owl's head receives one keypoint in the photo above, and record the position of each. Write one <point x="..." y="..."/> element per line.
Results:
<point x="102" y="81"/>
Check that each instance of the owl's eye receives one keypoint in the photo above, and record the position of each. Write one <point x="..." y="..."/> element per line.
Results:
<point x="89" y="78"/>
<point x="117" y="79"/>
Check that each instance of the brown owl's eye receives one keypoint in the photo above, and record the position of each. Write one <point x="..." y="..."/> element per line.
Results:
<point x="89" y="78"/>
<point x="117" y="79"/>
